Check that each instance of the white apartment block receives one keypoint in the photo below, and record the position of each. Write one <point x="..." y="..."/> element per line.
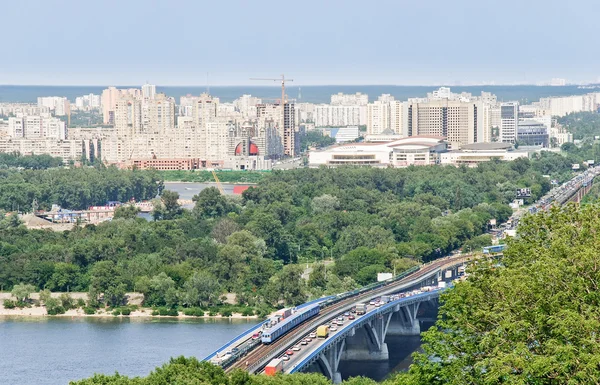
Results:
<point x="37" y="127"/>
<point x="305" y="113"/>
<point x="88" y="102"/>
<point x="148" y="91"/>
<point x="561" y="106"/>
<point x="20" y="109"/>
<point x="385" y="98"/>
<point x="340" y="115"/>
<point x="58" y="105"/>
<point x="398" y="117"/>
<point x="509" y="121"/>
<point x="378" y="117"/>
<point x="66" y="149"/>
<point x="246" y="104"/>
<point x="341" y="99"/>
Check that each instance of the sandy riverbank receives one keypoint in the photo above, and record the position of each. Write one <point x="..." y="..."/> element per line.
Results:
<point x="133" y="299"/>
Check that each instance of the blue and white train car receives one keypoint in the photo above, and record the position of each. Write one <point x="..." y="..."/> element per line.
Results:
<point x="279" y="329"/>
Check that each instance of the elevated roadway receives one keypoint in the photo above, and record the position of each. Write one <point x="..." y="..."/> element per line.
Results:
<point x="254" y="360"/>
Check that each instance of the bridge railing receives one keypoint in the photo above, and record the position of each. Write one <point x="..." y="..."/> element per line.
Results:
<point x="228" y="344"/>
<point x="254" y="328"/>
<point x="361" y="320"/>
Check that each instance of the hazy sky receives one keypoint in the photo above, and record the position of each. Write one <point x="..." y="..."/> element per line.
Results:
<point x="126" y="42"/>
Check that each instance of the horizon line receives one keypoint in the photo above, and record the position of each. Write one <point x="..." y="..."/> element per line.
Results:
<point x="305" y="85"/>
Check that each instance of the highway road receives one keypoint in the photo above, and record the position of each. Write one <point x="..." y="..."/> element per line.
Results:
<point x="256" y="359"/>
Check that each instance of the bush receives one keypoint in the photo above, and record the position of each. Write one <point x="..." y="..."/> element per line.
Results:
<point x="226" y="313"/>
<point x="213" y="313"/>
<point x="163" y="311"/>
<point x="125" y="311"/>
<point x="248" y="312"/>
<point x="10" y="304"/>
<point x="155" y="312"/>
<point x="89" y="310"/>
<point x="80" y="302"/>
<point x="173" y="313"/>
<point x="198" y="313"/>
<point x="66" y="301"/>
<point x="54" y="306"/>
<point x="116" y="312"/>
<point x="55" y="310"/>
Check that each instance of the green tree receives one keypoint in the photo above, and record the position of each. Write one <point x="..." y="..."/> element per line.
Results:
<point x="532" y="320"/>
<point x="126" y="212"/>
<point x="22" y="291"/>
<point x="211" y="204"/>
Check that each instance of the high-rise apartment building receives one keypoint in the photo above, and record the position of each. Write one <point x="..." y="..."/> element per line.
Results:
<point x="110" y="96"/>
<point x="509" y="122"/>
<point x="378" y="117"/>
<point x="458" y="121"/>
<point x="148" y="91"/>
<point x="37" y="127"/>
<point x="339" y="115"/>
<point x="246" y="105"/>
<point x="341" y="99"/>
<point x="269" y="113"/>
<point x="58" y="105"/>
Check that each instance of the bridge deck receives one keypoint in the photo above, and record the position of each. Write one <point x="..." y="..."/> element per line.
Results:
<point x="299" y="360"/>
<point x="256" y="359"/>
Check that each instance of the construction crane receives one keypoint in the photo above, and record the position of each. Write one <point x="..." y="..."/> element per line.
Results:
<point x="219" y="186"/>
<point x="282" y="103"/>
<point x="282" y="80"/>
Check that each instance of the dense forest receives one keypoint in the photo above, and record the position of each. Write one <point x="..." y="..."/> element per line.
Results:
<point x="34" y="162"/>
<point x="366" y="220"/>
<point x="582" y="125"/>
<point x="74" y="188"/>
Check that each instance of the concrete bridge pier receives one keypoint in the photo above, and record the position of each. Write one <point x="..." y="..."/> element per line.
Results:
<point x="368" y="342"/>
<point x="405" y="322"/>
<point x="329" y="361"/>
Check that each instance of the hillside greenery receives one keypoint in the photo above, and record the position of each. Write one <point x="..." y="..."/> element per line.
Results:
<point x="533" y="319"/>
<point x="366" y="220"/>
<point x="582" y="125"/>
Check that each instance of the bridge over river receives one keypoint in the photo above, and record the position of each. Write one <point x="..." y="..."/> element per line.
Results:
<point x="362" y="337"/>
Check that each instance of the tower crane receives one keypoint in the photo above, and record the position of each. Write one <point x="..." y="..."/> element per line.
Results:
<point x="282" y="79"/>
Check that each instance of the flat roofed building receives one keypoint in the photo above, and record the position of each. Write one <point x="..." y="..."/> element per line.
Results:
<point x="473" y="154"/>
<point x="416" y="150"/>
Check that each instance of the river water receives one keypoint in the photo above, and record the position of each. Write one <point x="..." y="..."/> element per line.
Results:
<point x="54" y="351"/>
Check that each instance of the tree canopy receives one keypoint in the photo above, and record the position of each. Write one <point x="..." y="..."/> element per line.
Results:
<point x="532" y="319"/>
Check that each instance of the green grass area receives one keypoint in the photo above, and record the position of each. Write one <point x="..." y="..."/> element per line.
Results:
<point x="206" y="176"/>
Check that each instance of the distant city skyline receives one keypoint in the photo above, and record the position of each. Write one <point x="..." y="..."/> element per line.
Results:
<point x="388" y="42"/>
